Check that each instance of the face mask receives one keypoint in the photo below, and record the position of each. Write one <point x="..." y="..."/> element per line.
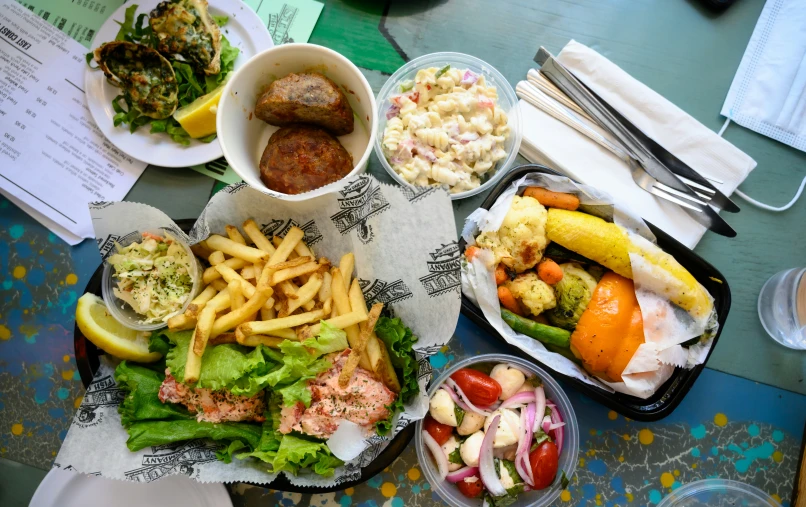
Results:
<point x="768" y="93"/>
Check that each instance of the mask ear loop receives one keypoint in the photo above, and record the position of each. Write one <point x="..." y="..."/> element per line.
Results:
<point x="756" y="203"/>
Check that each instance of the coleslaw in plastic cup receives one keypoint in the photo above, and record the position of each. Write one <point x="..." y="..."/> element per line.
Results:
<point x="121" y="310"/>
<point x="568" y="456"/>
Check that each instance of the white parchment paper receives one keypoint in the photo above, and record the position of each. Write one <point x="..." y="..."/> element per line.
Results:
<point x="655" y="360"/>
<point x="406" y="256"/>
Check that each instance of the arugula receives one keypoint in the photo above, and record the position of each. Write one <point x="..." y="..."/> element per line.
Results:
<point x="399" y="341"/>
<point x="192" y="84"/>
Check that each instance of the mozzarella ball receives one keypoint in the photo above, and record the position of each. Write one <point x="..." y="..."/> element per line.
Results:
<point x="442" y="408"/>
<point x="506" y="480"/>
<point x="448" y="447"/>
<point x="508" y="453"/>
<point x="471" y="449"/>
<point x="509" y="427"/>
<point x="511" y="380"/>
<point x="470" y="424"/>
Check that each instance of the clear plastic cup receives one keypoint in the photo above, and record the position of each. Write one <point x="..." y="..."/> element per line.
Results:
<point x="782" y="308"/>
<point x="121" y="310"/>
<point x="718" y="493"/>
<point x="507" y="101"/>
<point x="568" y="456"/>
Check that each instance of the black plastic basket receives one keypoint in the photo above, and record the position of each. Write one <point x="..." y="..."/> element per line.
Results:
<point x="672" y="392"/>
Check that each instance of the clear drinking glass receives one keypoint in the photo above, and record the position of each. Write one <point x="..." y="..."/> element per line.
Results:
<point x="782" y="308"/>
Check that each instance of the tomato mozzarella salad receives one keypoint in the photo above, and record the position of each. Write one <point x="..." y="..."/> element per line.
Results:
<point x="494" y="435"/>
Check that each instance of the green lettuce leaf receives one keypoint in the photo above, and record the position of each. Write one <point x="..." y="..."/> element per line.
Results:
<point x="243" y="371"/>
<point x="330" y="339"/>
<point x="149" y="433"/>
<point x="220" y="20"/>
<point x="399" y="341"/>
<point x="142" y="399"/>
<point x="288" y="452"/>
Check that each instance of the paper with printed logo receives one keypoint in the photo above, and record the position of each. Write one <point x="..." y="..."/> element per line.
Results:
<point x="406" y="257"/>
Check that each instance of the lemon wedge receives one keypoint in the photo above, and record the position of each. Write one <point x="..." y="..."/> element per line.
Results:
<point x="96" y="323"/>
<point x="198" y="117"/>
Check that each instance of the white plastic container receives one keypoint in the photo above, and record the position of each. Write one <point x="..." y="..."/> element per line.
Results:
<point x="507" y="101"/>
<point x="243" y="136"/>
<point x="568" y="455"/>
<point x="718" y="493"/>
<point x="121" y="310"/>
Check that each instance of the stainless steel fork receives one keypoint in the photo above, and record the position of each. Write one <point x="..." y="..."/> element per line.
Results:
<point x="549" y="105"/>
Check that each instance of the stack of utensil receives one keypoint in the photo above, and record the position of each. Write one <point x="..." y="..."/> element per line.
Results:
<point x="556" y="91"/>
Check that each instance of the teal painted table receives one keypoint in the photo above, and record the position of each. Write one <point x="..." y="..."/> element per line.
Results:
<point x="678" y="49"/>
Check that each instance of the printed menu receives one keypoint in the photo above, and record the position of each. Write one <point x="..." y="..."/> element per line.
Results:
<point x="53" y="159"/>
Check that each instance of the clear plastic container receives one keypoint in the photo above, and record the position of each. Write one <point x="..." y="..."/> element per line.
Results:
<point x="507" y="101"/>
<point x="568" y="456"/>
<point x="121" y="310"/>
<point x="718" y="493"/>
<point x="782" y="308"/>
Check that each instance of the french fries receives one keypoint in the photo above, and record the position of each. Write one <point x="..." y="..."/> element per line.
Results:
<point x="277" y="290"/>
<point x="229" y="247"/>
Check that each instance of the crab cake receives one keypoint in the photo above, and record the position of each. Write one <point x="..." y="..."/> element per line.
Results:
<point x="145" y="76"/>
<point x="309" y="98"/>
<point x="185" y="28"/>
<point x="300" y="158"/>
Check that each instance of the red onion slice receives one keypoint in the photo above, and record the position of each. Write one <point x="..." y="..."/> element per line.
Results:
<point x="461" y="474"/>
<point x="546" y="424"/>
<point x="540" y="400"/>
<point x="522" y="464"/>
<point x="559" y="432"/>
<point x="554" y="426"/>
<point x="465" y="399"/>
<point x="519" y="399"/>
<point x="469" y="78"/>
<point x="436" y="452"/>
<point x="393" y="111"/>
<point x="455" y="398"/>
<point x="487" y="464"/>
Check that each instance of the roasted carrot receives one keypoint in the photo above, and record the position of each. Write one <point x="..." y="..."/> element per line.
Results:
<point x="501" y="275"/>
<point x="551" y="199"/>
<point x="549" y="271"/>
<point x="470" y="252"/>
<point x="508" y="301"/>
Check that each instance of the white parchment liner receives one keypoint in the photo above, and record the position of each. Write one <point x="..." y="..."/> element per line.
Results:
<point x="655" y="360"/>
<point x="406" y="256"/>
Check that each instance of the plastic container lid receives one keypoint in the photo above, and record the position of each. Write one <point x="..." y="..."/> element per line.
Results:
<point x="568" y="455"/>
<point x="507" y="101"/>
<point x="718" y="493"/>
<point x="121" y="310"/>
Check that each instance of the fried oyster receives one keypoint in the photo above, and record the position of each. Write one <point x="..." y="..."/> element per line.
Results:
<point x="147" y="79"/>
<point x="186" y="28"/>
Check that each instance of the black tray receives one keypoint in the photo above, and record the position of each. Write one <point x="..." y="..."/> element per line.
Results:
<point x="672" y="392"/>
<point x="87" y="360"/>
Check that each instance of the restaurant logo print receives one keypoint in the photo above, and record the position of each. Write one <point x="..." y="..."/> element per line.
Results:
<point x="360" y="200"/>
<point x="380" y="291"/>
<point x="414" y="194"/>
<point x="443" y="271"/>
<point x="281" y="227"/>
<point x="178" y="457"/>
<point x="103" y="392"/>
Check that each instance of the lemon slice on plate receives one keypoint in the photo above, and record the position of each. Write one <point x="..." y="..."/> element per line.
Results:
<point x="105" y="332"/>
<point x="198" y="117"/>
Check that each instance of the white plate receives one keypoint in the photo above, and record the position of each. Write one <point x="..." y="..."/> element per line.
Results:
<point x="243" y="30"/>
<point x="63" y="488"/>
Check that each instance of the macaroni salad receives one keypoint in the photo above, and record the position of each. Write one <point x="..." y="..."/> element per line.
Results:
<point x="445" y="128"/>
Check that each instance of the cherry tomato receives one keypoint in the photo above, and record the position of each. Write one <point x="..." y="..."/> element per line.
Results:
<point x="481" y="389"/>
<point x="544" y="460"/>
<point x="471" y="489"/>
<point x="440" y="432"/>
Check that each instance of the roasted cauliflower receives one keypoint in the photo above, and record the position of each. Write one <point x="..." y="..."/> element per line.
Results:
<point x="573" y="294"/>
<point x="535" y="295"/>
<point x="520" y="241"/>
